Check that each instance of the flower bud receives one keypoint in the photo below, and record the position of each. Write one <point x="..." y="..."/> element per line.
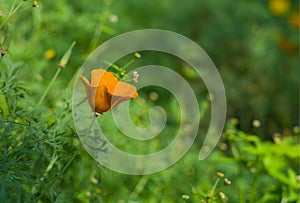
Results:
<point x="227" y="181"/>
<point x="137" y="55"/>
<point x="220" y="174"/>
<point x="64" y="60"/>
<point x="185" y="197"/>
<point x="35" y="4"/>
<point x="222" y="195"/>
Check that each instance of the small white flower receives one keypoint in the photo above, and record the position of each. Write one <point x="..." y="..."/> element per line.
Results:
<point x="135" y="76"/>
<point x="113" y="18"/>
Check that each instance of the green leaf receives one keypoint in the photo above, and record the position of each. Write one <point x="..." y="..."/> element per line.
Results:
<point x="4" y="110"/>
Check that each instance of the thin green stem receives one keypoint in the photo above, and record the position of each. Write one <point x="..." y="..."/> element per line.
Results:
<point x="236" y="156"/>
<point x="11" y="12"/>
<point x="112" y="65"/>
<point x="253" y="189"/>
<point x="139" y="187"/>
<point x="214" y="187"/>
<point x="12" y="7"/>
<point x="241" y="191"/>
<point x="129" y="63"/>
<point x="49" y="86"/>
<point x="49" y="167"/>
<point x="17" y="8"/>
<point x="60" y="173"/>
<point x="255" y="180"/>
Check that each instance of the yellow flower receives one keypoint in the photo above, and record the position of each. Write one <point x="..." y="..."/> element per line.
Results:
<point x="49" y="54"/>
<point x="220" y="174"/>
<point x="137" y="55"/>
<point x="98" y="190"/>
<point x="279" y="7"/>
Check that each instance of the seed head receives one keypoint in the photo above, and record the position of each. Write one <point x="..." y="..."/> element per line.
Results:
<point x="113" y="18"/>
<point x="153" y="96"/>
<point x="223" y="146"/>
<point x="135" y="76"/>
<point x="185" y="197"/>
<point x="227" y="181"/>
<point x="94" y="181"/>
<point x="222" y="195"/>
<point x="256" y="123"/>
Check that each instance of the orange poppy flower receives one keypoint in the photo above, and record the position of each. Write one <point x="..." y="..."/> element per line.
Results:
<point x="105" y="91"/>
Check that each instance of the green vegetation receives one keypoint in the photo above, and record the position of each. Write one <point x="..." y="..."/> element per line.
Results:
<point x="254" y="44"/>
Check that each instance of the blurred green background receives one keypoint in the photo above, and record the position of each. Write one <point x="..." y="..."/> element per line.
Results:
<point x="254" y="45"/>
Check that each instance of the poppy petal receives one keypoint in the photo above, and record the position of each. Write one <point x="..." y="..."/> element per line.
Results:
<point x="96" y="76"/>
<point x="101" y="77"/>
<point x="105" y="91"/>
<point x="115" y="100"/>
<point x="124" y="89"/>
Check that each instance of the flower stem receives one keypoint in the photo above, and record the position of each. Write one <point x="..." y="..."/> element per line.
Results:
<point x="11" y="12"/>
<point x="112" y="65"/>
<point x="139" y="187"/>
<point x="214" y="187"/>
<point x="60" y="173"/>
<point x="49" y="86"/>
<point x="129" y="63"/>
